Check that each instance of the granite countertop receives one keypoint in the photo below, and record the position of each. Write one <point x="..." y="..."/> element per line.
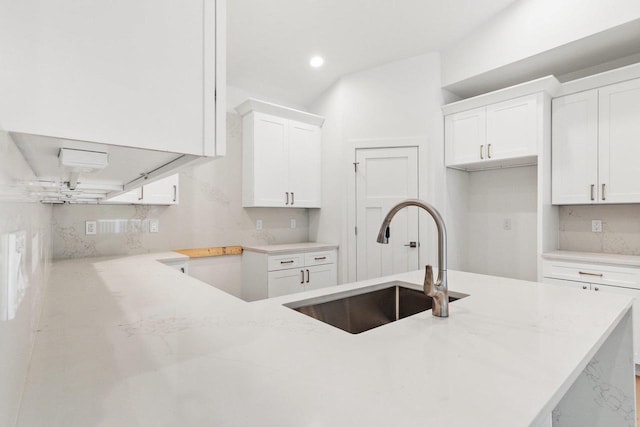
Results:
<point x="613" y="259"/>
<point x="129" y="341"/>
<point x="291" y="248"/>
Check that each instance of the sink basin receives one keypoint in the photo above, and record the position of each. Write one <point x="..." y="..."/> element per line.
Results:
<point x="364" y="309"/>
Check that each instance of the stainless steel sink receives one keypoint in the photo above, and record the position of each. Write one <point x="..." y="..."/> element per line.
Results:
<point x="364" y="309"/>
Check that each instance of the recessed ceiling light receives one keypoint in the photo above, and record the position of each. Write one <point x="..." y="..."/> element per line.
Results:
<point x="316" y="61"/>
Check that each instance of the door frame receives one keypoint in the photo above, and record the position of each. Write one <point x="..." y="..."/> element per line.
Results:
<point x="401" y="142"/>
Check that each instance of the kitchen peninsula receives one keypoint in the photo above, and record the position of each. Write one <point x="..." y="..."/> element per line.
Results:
<point x="130" y="341"/>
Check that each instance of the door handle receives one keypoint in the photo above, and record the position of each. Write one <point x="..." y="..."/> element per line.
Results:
<point x="412" y="245"/>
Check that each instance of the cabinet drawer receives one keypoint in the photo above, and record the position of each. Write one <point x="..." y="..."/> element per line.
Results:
<point x="319" y="258"/>
<point x="281" y="262"/>
<point x="593" y="273"/>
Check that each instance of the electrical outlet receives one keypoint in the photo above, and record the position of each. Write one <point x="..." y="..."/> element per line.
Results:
<point x="292" y="223"/>
<point x="507" y="224"/>
<point x="91" y="227"/>
<point x="596" y="226"/>
<point x="258" y="224"/>
<point x="154" y="225"/>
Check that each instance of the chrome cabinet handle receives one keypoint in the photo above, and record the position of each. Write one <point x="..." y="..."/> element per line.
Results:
<point x="175" y="193"/>
<point x="489" y="151"/>
<point x="584" y="273"/>
<point x="293" y="199"/>
<point x="593" y="186"/>
<point x="287" y="202"/>
<point x="603" y="197"/>
<point x="302" y="277"/>
<point x="481" y="156"/>
<point x="308" y="275"/>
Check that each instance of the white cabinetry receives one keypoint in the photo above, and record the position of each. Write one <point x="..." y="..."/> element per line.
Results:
<point x="164" y="191"/>
<point x="268" y="275"/>
<point x="138" y="74"/>
<point x="599" y="278"/>
<point x="500" y="134"/>
<point x="281" y="164"/>
<point x="594" y="146"/>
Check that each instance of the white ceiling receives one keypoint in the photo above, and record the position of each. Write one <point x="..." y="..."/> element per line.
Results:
<point x="270" y="42"/>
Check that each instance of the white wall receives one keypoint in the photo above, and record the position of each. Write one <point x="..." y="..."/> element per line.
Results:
<point x="530" y="27"/>
<point x="395" y="101"/>
<point x="493" y="197"/>
<point x="24" y="264"/>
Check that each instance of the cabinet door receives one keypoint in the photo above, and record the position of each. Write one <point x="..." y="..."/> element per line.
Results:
<point x="512" y="128"/>
<point x="304" y="165"/>
<point x="635" y="293"/>
<point x="134" y="73"/>
<point x="161" y="192"/>
<point x="574" y="149"/>
<point x="270" y="161"/>
<point x="285" y="282"/>
<point x="619" y="147"/>
<point x="133" y="197"/>
<point x="321" y="276"/>
<point x="465" y="137"/>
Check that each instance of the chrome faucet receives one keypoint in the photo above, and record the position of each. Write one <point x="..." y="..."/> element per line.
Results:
<point x="437" y="291"/>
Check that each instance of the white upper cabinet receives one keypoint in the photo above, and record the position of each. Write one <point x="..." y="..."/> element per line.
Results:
<point x="465" y="136"/>
<point x="595" y="146"/>
<point x="512" y="128"/>
<point x="499" y="134"/>
<point x="619" y="143"/>
<point x="130" y="73"/>
<point x="574" y="156"/>
<point x="281" y="158"/>
<point x="164" y="191"/>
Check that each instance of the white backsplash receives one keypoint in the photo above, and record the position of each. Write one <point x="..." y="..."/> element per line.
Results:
<point x="25" y="237"/>
<point x="620" y="229"/>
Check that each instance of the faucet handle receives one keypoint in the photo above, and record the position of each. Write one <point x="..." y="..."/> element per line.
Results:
<point x="428" y="280"/>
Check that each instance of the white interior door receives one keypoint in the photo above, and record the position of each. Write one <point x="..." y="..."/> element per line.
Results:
<point x="384" y="177"/>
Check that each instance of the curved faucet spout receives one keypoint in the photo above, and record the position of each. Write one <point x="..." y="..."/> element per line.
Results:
<point x="437" y="291"/>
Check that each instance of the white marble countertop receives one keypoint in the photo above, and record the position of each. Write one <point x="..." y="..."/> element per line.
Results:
<point x="131" y="342"/>
<point x="291" y="248"/>
<point x="613" y="259"/>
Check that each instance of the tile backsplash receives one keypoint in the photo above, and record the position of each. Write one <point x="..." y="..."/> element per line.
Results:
<point x="210" y="213"/>
<point x="620" y="229"/>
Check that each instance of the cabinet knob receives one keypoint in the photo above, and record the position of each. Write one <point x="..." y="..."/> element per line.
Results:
<point x="596" y="288"/>
<point x="584" y="286"/>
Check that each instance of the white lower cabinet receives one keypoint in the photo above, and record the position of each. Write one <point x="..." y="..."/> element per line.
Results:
<point x="273" y="275"/>
<point x="599" y="278"/>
